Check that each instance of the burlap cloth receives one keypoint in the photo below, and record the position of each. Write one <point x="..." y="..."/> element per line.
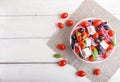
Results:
<point x="88" y="9"/>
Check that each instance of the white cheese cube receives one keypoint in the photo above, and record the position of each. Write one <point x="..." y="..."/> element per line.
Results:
<point x="86" y="52"/>
<point x="104" y="44"/>
<point x="91" y="30"/>
<point x="88" y="41"/>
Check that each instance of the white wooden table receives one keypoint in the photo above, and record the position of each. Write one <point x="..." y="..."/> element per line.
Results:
<point x="25" y="28"/>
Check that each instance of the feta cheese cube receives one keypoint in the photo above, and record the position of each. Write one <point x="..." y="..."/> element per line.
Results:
<point x="88" y="41"/>
<point x="91" y="30"/>
<point x="104" y="44"/>
<point x="86" y="52"/>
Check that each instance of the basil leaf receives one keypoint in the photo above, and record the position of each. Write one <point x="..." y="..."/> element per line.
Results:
<point x="57" y="56"/>
<point x="95" y="53"/>
<point x="78" y="34"/>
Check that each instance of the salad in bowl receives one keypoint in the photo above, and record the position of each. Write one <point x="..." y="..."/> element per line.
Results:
<point x="92" y="40"/>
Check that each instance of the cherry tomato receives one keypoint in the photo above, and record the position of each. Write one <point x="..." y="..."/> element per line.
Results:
<point x="91" y="59"/>
<point x="60" y="25"/>
<point x="79" y="38"/>
<point x="95" y="36"/>
<point x="110" y="47"/>
<point x="111" y="33"/>
<point x="97" y="22"/>
<point x="61" y="46"/>
<point x="85" y="34"/>
<point x="62" y="63"/>
<point x="85" y="24"/>
<point x="97" y="71"/>
<point x="64" y="15"/>
<point x="81" y="73"/>
<point x="75" y="31"/>
<point x="100" y="32"/>
<point x="92" y="47"/>
<point x="69" y="22"/>
<point x="81" y="43"/>
<point x="77" y="51"/>
<point x="105" y="55"/>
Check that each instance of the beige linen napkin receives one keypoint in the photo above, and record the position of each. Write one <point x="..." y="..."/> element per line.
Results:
<point x="88" y="9"/>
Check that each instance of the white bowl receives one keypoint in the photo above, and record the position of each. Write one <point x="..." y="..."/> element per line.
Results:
<point x="78" y="27"/>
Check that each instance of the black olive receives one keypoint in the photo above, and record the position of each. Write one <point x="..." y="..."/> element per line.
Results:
<point x="73" y="37"/>
<point x="90" y="21"/>
<point x="99" y="48"/>
<point x="97" y="28"/>
<point x="99" y="52"/>
<point x="97" y="40"/>
<point x="104" y="23"/>
<point x="72" y="45"/>
<point x="81" y="30"/>
<point x="74" y="41"/>
<point x="106" y="27"/>
<point x="101" y="38"/>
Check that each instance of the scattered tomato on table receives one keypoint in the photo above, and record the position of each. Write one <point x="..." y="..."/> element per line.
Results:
<point x="62" y="63"/>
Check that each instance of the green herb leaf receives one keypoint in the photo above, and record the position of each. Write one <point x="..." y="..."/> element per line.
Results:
<point x="95" y="53"/>
<point x="57" y="56"/>
<point x="113" y="42"/>
<point x="78" y="34"/>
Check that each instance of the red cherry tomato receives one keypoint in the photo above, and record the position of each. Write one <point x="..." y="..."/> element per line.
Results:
<point x="100" y="32"/>
<point x="97" y="71"/>
<point x="64" y="15"/>
<point x="92" y="47"/>
<point x="110" y="47"/>
<point x="96" y="35"/>
<point x="69" y="22"/>
<point x="62" y="63"/>
<point x="75" y="31"/>
<point x="97" y="22"/>
<point x="79" y="38"/>
<point x="81" y="43"/>
<point x="81" y="73"/>
<point x="85" y="34"/>
<point x="61" y="46"/>
<point x="91" y="59"/>
<point x="77" y="51"/>
<point x="60" y="25"/>
<point x="111" y="33"/>
<point x="105" y="55"/>
<point x="85" y="24"/>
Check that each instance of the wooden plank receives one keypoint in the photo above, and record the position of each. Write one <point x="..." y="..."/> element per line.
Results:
<point x="43" y="73"/>
<point x="49" y="7"/>
<point x="29" y="26"/>
<point x="37" y="7"/>
<point x="25" y="50"/>
<point x="38" y="73"/>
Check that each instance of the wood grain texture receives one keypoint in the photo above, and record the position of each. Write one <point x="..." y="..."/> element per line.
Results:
<point x="29" y="26"/>
<point x="25" y="27"/>
<point x="42" y="73"/>
<point x="25" y="50"/>
<point x="38" y="73"/>
<point x="49" y="7"/>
